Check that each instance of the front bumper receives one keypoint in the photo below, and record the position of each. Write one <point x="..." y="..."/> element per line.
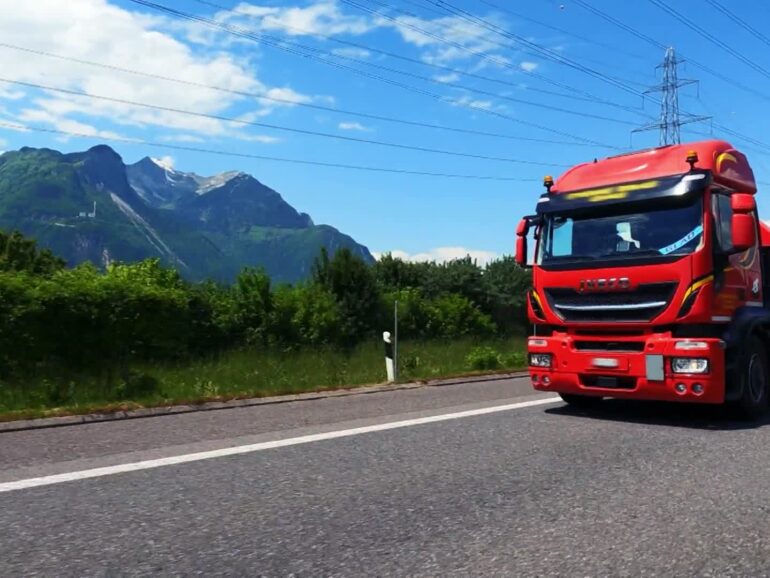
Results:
<point x="628" y="367"/>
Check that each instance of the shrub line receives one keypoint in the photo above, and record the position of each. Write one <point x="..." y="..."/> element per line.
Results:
<point x="15" y="421"/>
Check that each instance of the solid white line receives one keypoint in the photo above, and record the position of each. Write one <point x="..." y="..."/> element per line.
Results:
<point x="245" y="449"/>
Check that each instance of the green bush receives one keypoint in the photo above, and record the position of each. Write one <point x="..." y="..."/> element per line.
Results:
<point x="304" y="315"/>
<point x="515" y="360"/>
<point x="483" y="358"/>
<point x="67" y="322"/>
<point x="137" y="385"/>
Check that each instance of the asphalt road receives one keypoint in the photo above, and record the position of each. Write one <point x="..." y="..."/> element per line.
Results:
<point x="530" y="491"/>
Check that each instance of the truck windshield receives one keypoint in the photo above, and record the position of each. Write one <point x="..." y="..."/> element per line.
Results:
<point x="650" y="230"/>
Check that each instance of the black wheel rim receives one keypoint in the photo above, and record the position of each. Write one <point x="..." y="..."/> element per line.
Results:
<point x="756" y="379"/>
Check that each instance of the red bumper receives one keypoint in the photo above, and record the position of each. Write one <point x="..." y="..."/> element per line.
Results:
<point x="631" y="368"/>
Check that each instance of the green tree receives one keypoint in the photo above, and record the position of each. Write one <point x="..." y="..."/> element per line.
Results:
<point x="355" y="290"/>
<point x="304" y="315"/>
<point x="505" y="286"/>
<point x="394" y="274"/>
<point x="254" y="303"/>
<point x="17" y="253"/>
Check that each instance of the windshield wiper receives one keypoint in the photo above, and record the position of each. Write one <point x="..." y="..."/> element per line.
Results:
<point x="563" y="258"/>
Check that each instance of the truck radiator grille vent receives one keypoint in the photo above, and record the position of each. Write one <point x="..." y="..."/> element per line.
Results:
<point x="624" y="346"/>
<point x="641" y="304"/>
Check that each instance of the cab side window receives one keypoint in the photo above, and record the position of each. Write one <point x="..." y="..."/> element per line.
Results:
<point x="723" y="214"/>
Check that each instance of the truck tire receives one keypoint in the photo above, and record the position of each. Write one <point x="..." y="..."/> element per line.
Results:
<point x="583" y="401"/>
<point x="753" y="374"/>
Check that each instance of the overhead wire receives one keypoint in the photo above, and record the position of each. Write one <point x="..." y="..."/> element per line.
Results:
<point x="641" y="35"/>
<point x="740" y="21"/>
<point x="236" y="154"/>
<point x="287" y="101"/>
<point x="441" y="82"/>
<point x="710" y="37"/>
<point x="244" y="122"/>
<point x="707" y="69"/>
<point x="376" y="50"/>
<point x="246" y="34"/>
<point x="616" y="49"/>
<point x="543" y="51"/>
<point x="504" y="63"/>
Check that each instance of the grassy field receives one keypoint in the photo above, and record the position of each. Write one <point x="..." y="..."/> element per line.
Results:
<point x="254" y="373"/>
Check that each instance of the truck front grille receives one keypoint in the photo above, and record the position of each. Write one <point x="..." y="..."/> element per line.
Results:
<point x="642" y="304"/>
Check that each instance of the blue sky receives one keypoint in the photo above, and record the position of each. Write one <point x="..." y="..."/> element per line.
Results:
<point x="417" y="216"/>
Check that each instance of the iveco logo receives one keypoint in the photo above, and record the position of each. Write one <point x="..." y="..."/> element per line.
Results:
<point x="609" y="284"/>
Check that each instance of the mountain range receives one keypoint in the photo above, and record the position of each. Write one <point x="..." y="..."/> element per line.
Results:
<point x="90" y="206"/>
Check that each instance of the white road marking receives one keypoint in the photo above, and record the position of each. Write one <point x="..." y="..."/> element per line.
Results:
<point x="245" y="449"/>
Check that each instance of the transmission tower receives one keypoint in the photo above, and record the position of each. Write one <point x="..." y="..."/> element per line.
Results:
<point x="670" y="118"/>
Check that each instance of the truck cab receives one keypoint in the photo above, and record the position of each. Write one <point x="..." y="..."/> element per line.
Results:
<point x="649" y="280"/>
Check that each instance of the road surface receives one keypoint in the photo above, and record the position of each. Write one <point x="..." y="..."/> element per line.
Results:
<point x="461" y="480"/>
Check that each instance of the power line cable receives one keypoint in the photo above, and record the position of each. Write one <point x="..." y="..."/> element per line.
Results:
<point x="709" y="36"/>
<point x="259" y="157"/>
<point x="495" y="60"/>
<point x="433" y="80"/>
<point x="358" y="45"/>
<point x="289" y="101"/>
<point x="510" y="12"/>
<point x="733" y="83"/>
<point x="281" y="45"/>
<point x="707" y="69"/>
<point x="615" y="49"/>
<point x="541" y="50"/>
<point x="275" y="126"/>
<point x="739" y="21"/>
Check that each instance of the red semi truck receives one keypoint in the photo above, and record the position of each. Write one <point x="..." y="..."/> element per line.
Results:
<point x="650" y="280"/>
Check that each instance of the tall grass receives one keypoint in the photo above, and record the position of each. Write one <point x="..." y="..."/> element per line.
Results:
<point x="255" y="373"/>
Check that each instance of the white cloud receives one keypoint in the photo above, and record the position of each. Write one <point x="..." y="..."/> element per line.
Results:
<point x="352" y="52"/>
<point x="323" y="18"/>
<point x="354" y="126"/>
<point x="99" y="31"/>
<point x="260" y="138"/>
<point x="447" y="38"/>
<point x="450" y="77"/>
<point x="527" y="66"/>
<point x="64" y="124"/>
<point x="467" y="101"/>
<point x="8" y="93"/>
<point x="442" y="255"/>
<point x="189" y="138"/>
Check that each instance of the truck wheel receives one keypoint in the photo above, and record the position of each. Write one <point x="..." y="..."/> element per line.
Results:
<point x="754" y="377"/>
<point x="584" y="401"/>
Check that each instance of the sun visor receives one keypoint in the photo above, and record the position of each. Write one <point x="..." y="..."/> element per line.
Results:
<point x="665" y="187"/>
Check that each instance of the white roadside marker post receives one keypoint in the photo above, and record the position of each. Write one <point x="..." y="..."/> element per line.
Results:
<point x="389" y="366"/>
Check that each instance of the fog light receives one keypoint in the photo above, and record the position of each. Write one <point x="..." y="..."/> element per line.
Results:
<point x="535" y="379"/>
<point x="540" y="359"/>
<point x="689" y="365"/>
<point x="538" y="343"/>
<point x="680" y="388"/>
<point x="697" y="389"/>
<point x="546" y="380"/>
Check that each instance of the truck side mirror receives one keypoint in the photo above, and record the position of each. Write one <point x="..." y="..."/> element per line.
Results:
<point x="744" y="232"/>
<point x="742" y="203"/>
<point x="521" y="242"/>
<point x="521" y="251"/>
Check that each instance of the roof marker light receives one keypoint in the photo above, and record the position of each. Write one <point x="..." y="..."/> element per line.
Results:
<point x="692" y="158"/>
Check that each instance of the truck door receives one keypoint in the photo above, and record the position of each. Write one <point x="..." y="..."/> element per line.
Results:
<point x="737" y="276"/>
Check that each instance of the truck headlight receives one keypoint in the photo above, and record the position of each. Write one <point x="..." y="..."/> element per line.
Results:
<point x="689" y="365"/>
<point x="540" y="359"/>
